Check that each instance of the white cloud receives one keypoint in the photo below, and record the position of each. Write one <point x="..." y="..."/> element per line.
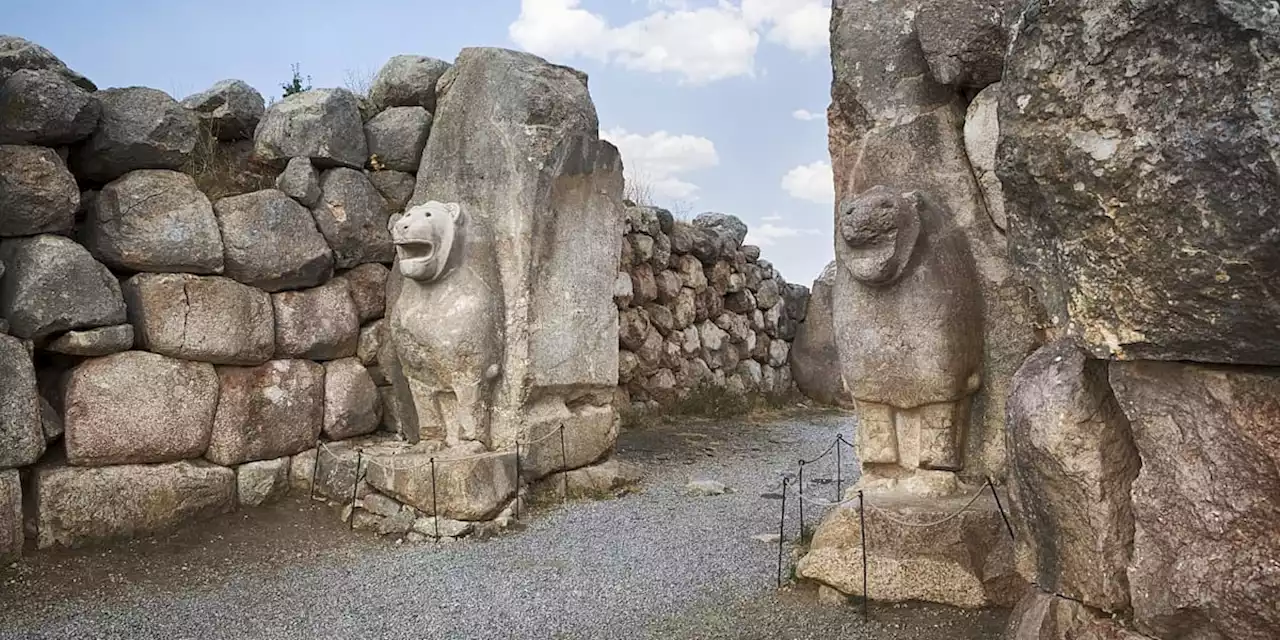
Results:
<point x="768" y="234"/>
<point x="660" y="159"/>
<point x="700" y="44"/>
<point x="812" y="182"/>
<point x="773" y="218"/>
<point x="806" y="115"/>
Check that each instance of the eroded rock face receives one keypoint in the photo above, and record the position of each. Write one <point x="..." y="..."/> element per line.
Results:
<point x="300" y="181"/>
<point x="815" y="363"/>
<point x="271" y="242"/>
<point x="1040" y="616"/>
<point x="262" y="481"/>
<point x="321" y="124"/>
<point x="230" y="108"/>
<point x="395" y="186"/>
<point x="981" y="135"/>
<point x="51" y="285"/>
<point x="1204" y="502"/>
<point x="140" y="128"/>
<point x="318" y="324"/>
<point x="352" y="215"/>
<point x="367" y="284"/>
<point x="964" y="41"/>
<point x="21" y="436"/>
<point x="397" y="137"/>
<point x="968" y="559"/>
<point x="408" y="81"/>
<point x="352" y="406"/>
<point x="556" y="358"/>
<point x="137" y="407"/>
<point x="267" y="412"/>
<point x="37" y="192"/>
<point x="468" y="485"/>
<point x="102" y="341"/>
<point x="154" y="220"/>
<point x="203" y="318"/>
<point x="11" y="534"/>
<point x="1073" y="463"/>
<point x="45" y="108"/>
<point x="76" y="506"/>
<point x="1143" y="242"/>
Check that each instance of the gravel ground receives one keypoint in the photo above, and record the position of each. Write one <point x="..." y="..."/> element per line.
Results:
<point x="652" y="564"/>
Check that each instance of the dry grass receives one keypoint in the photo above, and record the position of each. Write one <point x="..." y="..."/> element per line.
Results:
<point x="223" y="169"/>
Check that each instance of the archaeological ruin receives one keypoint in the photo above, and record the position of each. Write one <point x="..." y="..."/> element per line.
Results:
<point x="1050" y="326"/>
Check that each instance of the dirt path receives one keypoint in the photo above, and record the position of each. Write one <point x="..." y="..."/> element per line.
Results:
<point x="652" y="564"/>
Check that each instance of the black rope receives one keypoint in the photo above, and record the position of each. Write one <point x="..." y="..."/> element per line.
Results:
<point x="315" y="470"/>
<point x="862" y="521"/>
<point x="823" y="454"/>
<point x="564" y="465"/>
<point x="435" y="509"/>
<point x="782" y="519"/>
<point x="355" y="485"/>
<point x="999" y="506"/>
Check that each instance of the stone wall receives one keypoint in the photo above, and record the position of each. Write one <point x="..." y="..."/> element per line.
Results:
<point x="192" y="297"/>
<point x="699" y="312"/>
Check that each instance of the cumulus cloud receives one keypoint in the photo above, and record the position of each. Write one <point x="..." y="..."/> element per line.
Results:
<point x="806" y="115"/>
<point x="811" y="182"/>
<point x="658" y="161"/>
<point x="700" y="44"/>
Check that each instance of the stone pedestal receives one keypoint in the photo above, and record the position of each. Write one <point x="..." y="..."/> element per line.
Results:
<point x="966" y="561"/>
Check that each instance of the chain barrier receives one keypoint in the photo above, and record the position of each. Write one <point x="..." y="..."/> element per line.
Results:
<point x="362" y="470"/>
<point x="863" y="505"/>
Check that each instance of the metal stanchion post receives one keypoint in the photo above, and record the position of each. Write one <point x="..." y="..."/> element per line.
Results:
<point x="782" y="519"/>
<point x="801" y="502"/>
<point x="564" y="464"/>
<point x="999" y="506"/>
<point x="839" y="470"/>
<point x="435" y="510"/>
<point x="517" y="480"/>
<point x="315" y="470"/>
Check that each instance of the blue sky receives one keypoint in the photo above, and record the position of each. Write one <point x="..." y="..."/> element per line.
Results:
<point x="717" y="105"/>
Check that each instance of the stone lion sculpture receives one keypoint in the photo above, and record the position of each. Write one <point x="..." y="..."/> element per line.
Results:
<point x="447" y="321"/>
<point x="908" y="308"/>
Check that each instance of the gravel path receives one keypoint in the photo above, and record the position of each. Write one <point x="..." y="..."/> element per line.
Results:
<point x="652" y="564"/>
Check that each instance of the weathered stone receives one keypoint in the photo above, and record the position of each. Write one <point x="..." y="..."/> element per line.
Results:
<point x="338" y="474"/>
<point x="380" y="505"/>
<point x="51" y="285"/>
<point x="102" y="341"/>
<point x="706" y="488"/>
<point x="300" y="181"/>
<point x="643" y="285"/>
<point x="725" y="226"/>
<point x="743" y="302"/>
<point x="37" y="192"/>
<point x="1040" y="616"/>
<point x="1073" y="464"/>
<point x="320" y="323"/>
<point x="262" y="481"/>
<point x="22" y="439"/>
<point x="18" y="53"/>
<point x="408" y="81"/>
<point x="751" y="252"/>
<point x="372" y="336"/>
<point x="690" y="272"/>
<point x="77" y="506"/>
<point x="660" y="318"/>
<point x="321" y="124"/>
<point x="642" y="219"/>
<point x="230" y="108"/>
<point x="50" y="422"/>
<point x="367" y="284"/>
<point x="352" y="215"/>
<point x="641" y="248"/>
<point x="154" y="220"/>
<point x="268" y="411"/>
<point x="136" y="408"/>
<point x="909" y="340"/>
<point x="981" y="134"/>
<point x="966" y="561"/>
<point x="45" y="108"/>
<point x="467" y="485"/>
<point x="11" y="529"/>
<point x="768" y="294"/>
<point x="271" y="241"/>
<point x="518" y="358"/>
<point x="397" y="137"/>
<point x="204" y="318"/>
<point x="1204" y="501"/>
<point x="623" y="294"/>
<point x="352" y="406"/>
<point x="661" y="254"/>
<point x="140" y="128"/>
<point x="685" y="310"/>
<point x="964" y="41"/>
<point x="815" y="363"/>
<point x="395" y="186"/>
<point x="1141" y="242"/>
<point x="778" y="352"/>
<point x="442" y="527"/>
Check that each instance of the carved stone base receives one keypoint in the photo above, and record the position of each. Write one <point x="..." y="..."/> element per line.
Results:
<point x="966" y="561"/>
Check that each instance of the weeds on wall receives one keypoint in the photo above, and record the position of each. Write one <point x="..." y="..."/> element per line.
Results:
<point x="223" y="169"/>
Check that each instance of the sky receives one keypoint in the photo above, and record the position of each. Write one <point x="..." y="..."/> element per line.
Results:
<point x="716" y="105"/>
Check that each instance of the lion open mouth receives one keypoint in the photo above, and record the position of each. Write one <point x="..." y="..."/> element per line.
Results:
<point x="415" y="249"/>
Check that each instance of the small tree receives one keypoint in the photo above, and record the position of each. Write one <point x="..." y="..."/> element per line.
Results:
<point x="295" y="85"/>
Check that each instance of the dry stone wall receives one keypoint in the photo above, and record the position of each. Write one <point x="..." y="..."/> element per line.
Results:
<point x="700" y="312"/>
<point x="192" y="296"/>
